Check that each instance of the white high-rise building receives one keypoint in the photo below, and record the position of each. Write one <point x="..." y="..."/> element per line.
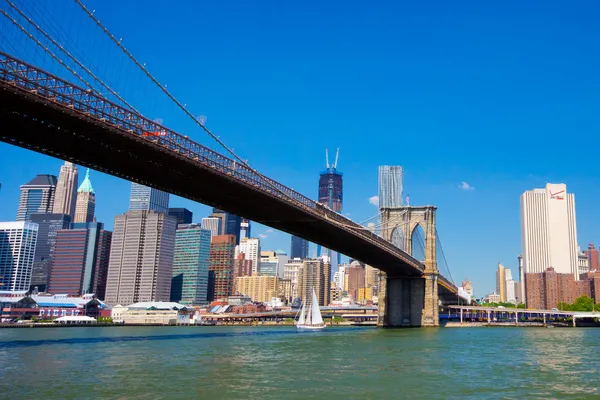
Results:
<point x="390" y="186"/>
<point x="17" y="249"/>
<point x="511" y="296"/>
<point x="212" y="224"/>
<point x="251" y="248"/>
<point x="582" y="262"/>
<point x="290" y="272"/>
<point x="548" y="230"/>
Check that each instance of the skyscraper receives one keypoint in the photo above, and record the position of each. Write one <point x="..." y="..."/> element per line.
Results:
<point x="37" y="196"/>
<point x="148" y="199"/>
<point x="354" y="279"/>
<point x="521" y="279"/>
<point x="245" y="231"/>
<point x="220" y="268"/>
<point x="141" y="258"/>
<point x="330" y="186"/>
<point x="48" y="226"/>
<point x="390" y="186"/>
<point x="241" y="267"/>
<point x="511" y="295"/>
<point x="80" y="262"/>
<point x="66" y="190"/>
<point x="230" y="223"/>
<point x="212" y="224"/>
<point x="183" y="215"/>
<point x="592" y="256"/>
<point x="234" y="226"/>
<point x="501" y="282"/>
<point x="299" y="248"/>
<point x="330" y="192"/>
<point x="190" y="265"/>
<point x="17" y="247"/>
<point x="86" y="201"/>
<point x="314" y="274"/>
<point x="548" y="227"/>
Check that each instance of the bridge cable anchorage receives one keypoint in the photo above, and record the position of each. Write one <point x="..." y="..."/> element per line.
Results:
<point x="39" y="29"/>
<point x="46" y="49"/>
<point x="178" y="103"/>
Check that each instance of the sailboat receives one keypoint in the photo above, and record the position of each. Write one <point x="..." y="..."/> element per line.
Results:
<point x="310" y="317"/>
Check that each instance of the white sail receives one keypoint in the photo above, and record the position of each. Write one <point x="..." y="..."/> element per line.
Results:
<point x="301" y="318"/>
<point x="316" y="313"/>
<point x="308" y="320"/>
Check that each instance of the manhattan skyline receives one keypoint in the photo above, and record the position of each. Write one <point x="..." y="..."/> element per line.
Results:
<point x="488" y="128"/>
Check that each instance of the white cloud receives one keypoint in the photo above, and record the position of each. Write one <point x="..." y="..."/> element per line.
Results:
<point x="374" y="200"/>
<point x="347" y="214"/>
<point x="465" y="186"/>
<point x="262" y="236"/>
<point x="158" y="120"/>
<point x="269" y="231"/>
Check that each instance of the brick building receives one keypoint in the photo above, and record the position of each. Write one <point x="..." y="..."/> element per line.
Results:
<point x="545" y="290"/>
<point x="221" y="267"/>
<point x="355" y="279"/>
<point x="241" y="267"/>
<point x="593" y="259"/>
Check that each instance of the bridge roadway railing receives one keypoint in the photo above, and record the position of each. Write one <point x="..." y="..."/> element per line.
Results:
<point x="22" y="75"/>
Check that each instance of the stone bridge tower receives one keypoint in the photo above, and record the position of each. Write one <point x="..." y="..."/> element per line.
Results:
<point x="406" y="300"/>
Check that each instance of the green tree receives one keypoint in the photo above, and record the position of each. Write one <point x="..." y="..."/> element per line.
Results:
<point x="521" y="305"/>
<point x="597" y="307"/>
<point x="583" y="303"/>
<point x="336" y="320"/>
<point x="564" y="306"/>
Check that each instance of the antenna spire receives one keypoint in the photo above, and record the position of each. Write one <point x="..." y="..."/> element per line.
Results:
<point x="337" y="153"/>
<point x="327" y="158"/>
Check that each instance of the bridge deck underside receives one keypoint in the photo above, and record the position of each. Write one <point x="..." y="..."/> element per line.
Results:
<point x="43" y="126"/>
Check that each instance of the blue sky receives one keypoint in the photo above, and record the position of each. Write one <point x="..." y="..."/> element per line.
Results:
<point x="502" y="96"/>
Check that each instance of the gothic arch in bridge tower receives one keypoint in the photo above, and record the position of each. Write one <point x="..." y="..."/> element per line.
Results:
<point x="418" y="242"/>
<point x="400" y="224"/>
<point x="397" y="237"/>
<point x="408" y="300"/>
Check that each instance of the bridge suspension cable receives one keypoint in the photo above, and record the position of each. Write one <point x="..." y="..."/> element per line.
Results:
<point x="438" y="240"/>
<point x="28" y="34"/>
<point x="67" y="53"/>
<point x="181" y="106"/>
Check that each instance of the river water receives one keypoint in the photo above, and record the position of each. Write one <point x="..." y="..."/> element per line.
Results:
<point x="281" y="363"/>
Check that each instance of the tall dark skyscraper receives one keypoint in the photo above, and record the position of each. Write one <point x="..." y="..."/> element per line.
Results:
<point x="331" y="193"/>
<point x="37" y="197"/>
<point x="231" y="224"/>
<point x="183" y="215"/>
<point x="80" y="262"/>
<point x="330" y="185"/>
<point x="299" y="248"/>
<point x="49" y="225"/>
